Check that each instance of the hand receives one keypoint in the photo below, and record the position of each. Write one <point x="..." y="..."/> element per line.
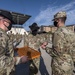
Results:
<point x="24" y="59"/>
<point x="44" y="45"/>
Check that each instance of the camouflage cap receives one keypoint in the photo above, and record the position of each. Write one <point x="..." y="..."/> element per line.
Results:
<point x="60" y="14"/>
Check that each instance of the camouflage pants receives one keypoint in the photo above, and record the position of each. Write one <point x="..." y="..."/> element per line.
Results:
<point x="12" y="73"/>
<point x="34" y="66"/>
<point x="57" y="70"/>
<point x="2" y="73"/>
<point x="55" y="73"/>
<point x="62" y="70"/>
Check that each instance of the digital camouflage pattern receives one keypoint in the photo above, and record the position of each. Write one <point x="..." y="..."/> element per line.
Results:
<point x="15" y="38"/>
<point x="6" y="54"/>
<point x="11" y="36"/>
<point x="62" y="52"/>
<point x="60" y="15"/>
<point x="35" y="43"/>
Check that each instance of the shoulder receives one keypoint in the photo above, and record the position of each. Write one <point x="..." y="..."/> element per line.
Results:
<point x="60" y="32"/>
<point x="67" y="31"/>
<point x="3" y="34"/>
<point x="29" y="36"/>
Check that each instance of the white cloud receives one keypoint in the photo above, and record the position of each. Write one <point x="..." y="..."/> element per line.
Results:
<point x="45" y="16"/>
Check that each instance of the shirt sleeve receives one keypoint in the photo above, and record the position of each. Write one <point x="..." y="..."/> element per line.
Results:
<point x="6" y="58"/>
<point x="56" y="45"/>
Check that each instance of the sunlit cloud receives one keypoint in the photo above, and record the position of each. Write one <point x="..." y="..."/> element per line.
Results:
<point x="45" y="16"/>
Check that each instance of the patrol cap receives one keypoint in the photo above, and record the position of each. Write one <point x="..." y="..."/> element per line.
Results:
<point x="7" y="15"/>
<point x="59" y="15"/>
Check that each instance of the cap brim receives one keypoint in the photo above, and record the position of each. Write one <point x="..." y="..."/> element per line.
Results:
<point x="32" y="27"/>
<point x="53" y="19"/>
<point x="12" y="22"/>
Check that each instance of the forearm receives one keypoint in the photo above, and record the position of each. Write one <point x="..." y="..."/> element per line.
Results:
<point x="9" y="61"/>
<point x="50" y="51"/>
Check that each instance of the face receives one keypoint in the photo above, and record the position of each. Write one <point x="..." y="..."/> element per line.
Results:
<point x="7" y="24"/>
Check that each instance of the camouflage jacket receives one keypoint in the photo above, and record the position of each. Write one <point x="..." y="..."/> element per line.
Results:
<point x="62" y="51"/>
<point x="6" y="53"/>
<point x="36" y="41"/>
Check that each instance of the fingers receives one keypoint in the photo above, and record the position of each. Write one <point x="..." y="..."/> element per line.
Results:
<point x="44" y="45"/>
<point x="24" y="59"/>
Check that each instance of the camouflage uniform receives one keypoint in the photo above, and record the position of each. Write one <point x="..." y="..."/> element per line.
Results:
<point x="18" y="37"/>
<point x="63" y="48"/>
<point x="15" y="39"/>
<point x="25" y="39"/>
<point x="11" y="36"/>
<point x="6" y="54"/>
<point x="35" y="42"/>
<point x="62" y="51"/>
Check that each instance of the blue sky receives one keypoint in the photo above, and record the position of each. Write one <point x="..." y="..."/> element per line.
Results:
<point x="42" y="11"/>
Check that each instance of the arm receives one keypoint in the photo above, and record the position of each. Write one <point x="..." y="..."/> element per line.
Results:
<point x="53" y="48"/>
<point x="6" y="60"/>
<point x="48" y="49"/>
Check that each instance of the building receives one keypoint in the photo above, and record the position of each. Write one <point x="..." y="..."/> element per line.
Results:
<point x="52" y="28"/>
<point x="19" y="30"/>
